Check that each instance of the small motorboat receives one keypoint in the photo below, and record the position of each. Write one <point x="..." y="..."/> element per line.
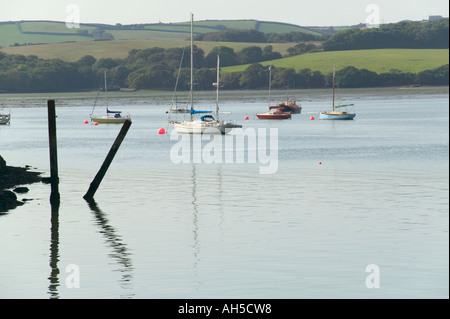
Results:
<point x="288" y="106"/>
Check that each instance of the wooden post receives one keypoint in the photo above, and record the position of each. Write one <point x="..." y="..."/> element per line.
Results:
<point x="54" y="179"/>
<point x="112" y="152"/>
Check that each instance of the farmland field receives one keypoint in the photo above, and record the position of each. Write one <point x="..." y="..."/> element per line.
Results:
<point x="377" y="60"/>
<point x="73" y="51"/>
<point x="12" y="33"/>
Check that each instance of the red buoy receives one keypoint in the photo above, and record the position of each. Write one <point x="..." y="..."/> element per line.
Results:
<point x="320" y="163"/>
<point x="86" y="122"/>
<point x="161" y="131"/>
<point x="312" y="118"/>
<point x="95" y="123"/>
<point x="246" y="117"/>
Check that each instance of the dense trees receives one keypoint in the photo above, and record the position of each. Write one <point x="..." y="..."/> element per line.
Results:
<point x="258" y="37"/>
<point x="426" y="35"/>
<point x="158" y="68"/>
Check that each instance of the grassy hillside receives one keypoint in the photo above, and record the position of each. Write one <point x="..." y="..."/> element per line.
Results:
<point x="10" y="34"/>
<point x="73" y="51"/>
<point x="35" y="32"/>
<point x="380" y="60"/>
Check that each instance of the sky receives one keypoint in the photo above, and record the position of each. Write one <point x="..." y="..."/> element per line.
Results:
<point x="299" y="12"/>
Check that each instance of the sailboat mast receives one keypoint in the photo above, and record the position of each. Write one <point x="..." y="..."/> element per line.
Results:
<point x="217" y="88"/>
<point x="192" y="63"/>
<point x="106" y="92"/>
<point x="270" y="80"/>
<point x="334" y="75"/>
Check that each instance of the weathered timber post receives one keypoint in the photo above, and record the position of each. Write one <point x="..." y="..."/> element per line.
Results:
<point x="112" y="152"/>
<point x="54" y="179"/>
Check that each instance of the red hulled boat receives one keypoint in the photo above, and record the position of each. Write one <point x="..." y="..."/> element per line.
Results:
<point x="275" y="114"/>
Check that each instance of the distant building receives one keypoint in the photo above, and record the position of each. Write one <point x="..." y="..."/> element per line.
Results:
<point x="434" y="18"/>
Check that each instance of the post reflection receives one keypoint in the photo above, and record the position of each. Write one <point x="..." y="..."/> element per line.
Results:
<point x="119" y="250"/>
<point x="54" y="253"/>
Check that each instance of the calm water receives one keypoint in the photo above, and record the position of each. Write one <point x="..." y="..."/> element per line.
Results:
<point x="223" y="230"/>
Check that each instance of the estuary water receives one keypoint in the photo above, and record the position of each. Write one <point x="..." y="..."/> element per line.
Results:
<point x="350" y="209"/>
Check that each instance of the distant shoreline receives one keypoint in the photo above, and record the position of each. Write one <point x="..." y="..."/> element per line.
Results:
<point x="12" y="100"/>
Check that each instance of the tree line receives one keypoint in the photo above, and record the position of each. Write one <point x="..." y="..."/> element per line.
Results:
<point x="159" y="68"/>
<point x="259" y="37"/>
<point x="432" y="34"/>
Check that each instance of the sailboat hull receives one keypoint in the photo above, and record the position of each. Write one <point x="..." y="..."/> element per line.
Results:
<point x="274" y="115"/>
<point x="199" y="127"/>
<point x="110" y="119"/>
<point x="336" y="116"/>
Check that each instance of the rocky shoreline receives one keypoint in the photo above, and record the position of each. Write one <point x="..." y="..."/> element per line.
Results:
<point x="13" y="178"/>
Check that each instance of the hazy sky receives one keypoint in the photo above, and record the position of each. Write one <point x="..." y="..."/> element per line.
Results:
<point x="300" y="12"/>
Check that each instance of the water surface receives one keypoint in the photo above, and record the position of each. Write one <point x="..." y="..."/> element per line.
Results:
<point x="223" y="230"/>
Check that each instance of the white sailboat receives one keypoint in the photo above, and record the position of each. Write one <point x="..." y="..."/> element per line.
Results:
<point x="205" y="123"/>
<point x="111" y="116"/>
<point x="5" y="118"/>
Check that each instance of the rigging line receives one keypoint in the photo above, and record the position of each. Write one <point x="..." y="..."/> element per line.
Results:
<point x="178" y="76"/>
<point x="95" y="103"/>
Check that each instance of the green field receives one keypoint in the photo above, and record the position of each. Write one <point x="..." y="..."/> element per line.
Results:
<point x="12" y="33"/>
<point x="73" y="51"/>
<point x="379" y="60"/>
<point x="64" y="44"/>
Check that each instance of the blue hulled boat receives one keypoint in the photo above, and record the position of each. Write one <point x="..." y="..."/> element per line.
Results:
<point x="337" y="115"/>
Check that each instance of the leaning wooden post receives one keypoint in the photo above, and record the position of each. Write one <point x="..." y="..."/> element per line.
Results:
<point x="112" y="152"/>
<point x="54" y="179"/>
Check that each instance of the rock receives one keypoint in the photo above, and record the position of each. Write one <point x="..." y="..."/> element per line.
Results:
<point x="2" y="163"/>
<point x="21" y="190"/>
<point x="8" y="200"/>
<point x="11" y="177"/>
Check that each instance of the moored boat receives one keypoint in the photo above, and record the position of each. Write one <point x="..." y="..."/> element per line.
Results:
<point x="204" y="123"/>
<point x="5" y="118"/>
<point x="110" y="116"/>
<point x="276" y="114"/>
<point x="288" y="106"/>
<point x="336" y="115"/>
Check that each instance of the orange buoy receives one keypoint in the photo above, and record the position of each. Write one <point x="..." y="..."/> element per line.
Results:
<point x="312" y="118"/>
<point x="161" y="131"/>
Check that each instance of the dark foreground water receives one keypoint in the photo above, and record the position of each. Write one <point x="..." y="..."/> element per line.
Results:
<point x="351" y="209"/>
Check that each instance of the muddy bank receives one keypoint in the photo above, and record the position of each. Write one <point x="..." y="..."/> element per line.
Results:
<point x="10" y="178"/>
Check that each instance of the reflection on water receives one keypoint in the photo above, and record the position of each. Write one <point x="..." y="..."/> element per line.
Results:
<point x="196" y="230"/>
<point x="195" y="218"/>
<point x="119" y="254"/>
<point x="120" y="251"/>
<point x="54" y="253"/>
